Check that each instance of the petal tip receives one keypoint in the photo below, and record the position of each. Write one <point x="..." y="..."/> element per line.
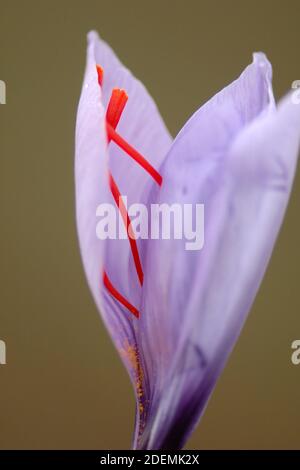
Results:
<point x="262" y="63"/>
<point x="260" y="58"/>
<point x="92" y="36"/>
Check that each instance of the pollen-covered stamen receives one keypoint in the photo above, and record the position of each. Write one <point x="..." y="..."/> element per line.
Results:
<point x="100" y="74"/>
<point x="119" y="297"/>
<point x="130" y="233"/>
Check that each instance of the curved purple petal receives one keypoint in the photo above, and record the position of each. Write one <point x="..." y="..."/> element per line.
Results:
<point x="245" y="187"/>
<point x="193" y="172"/>
<point x="90" y="174"/>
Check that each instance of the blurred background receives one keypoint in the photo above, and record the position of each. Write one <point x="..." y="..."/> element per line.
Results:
<point x="63" y="385"/>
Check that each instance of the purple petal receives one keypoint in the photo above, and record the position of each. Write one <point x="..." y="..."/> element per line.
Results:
<point x="243" y="177"/>
<point x="193" y="173"/>
<point x="90" y="174"/>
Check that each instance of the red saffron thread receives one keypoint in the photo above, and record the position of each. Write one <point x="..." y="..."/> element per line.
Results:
<point x="134" y="154"/>
<point x="126" y="219"/>
<point x="114" y="111"/>
<point x="116" y="106"/>
<point x="100" y="74"/>
<point x="116" y="294"/>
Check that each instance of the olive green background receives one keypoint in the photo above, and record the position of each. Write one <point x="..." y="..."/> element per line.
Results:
<point x="63" y="385"/>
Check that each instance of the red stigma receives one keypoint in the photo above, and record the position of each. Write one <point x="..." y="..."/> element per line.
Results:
<point x="115" y="107"/>
<point x="134" y="154"/>
<point x="116" y="294"/>
<point x="114" y="112"/>
<point x="100" y="74"/>
<point x="118" y="200"/>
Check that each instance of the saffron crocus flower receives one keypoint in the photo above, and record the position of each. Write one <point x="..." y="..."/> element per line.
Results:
<point x="174" y="315"/>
